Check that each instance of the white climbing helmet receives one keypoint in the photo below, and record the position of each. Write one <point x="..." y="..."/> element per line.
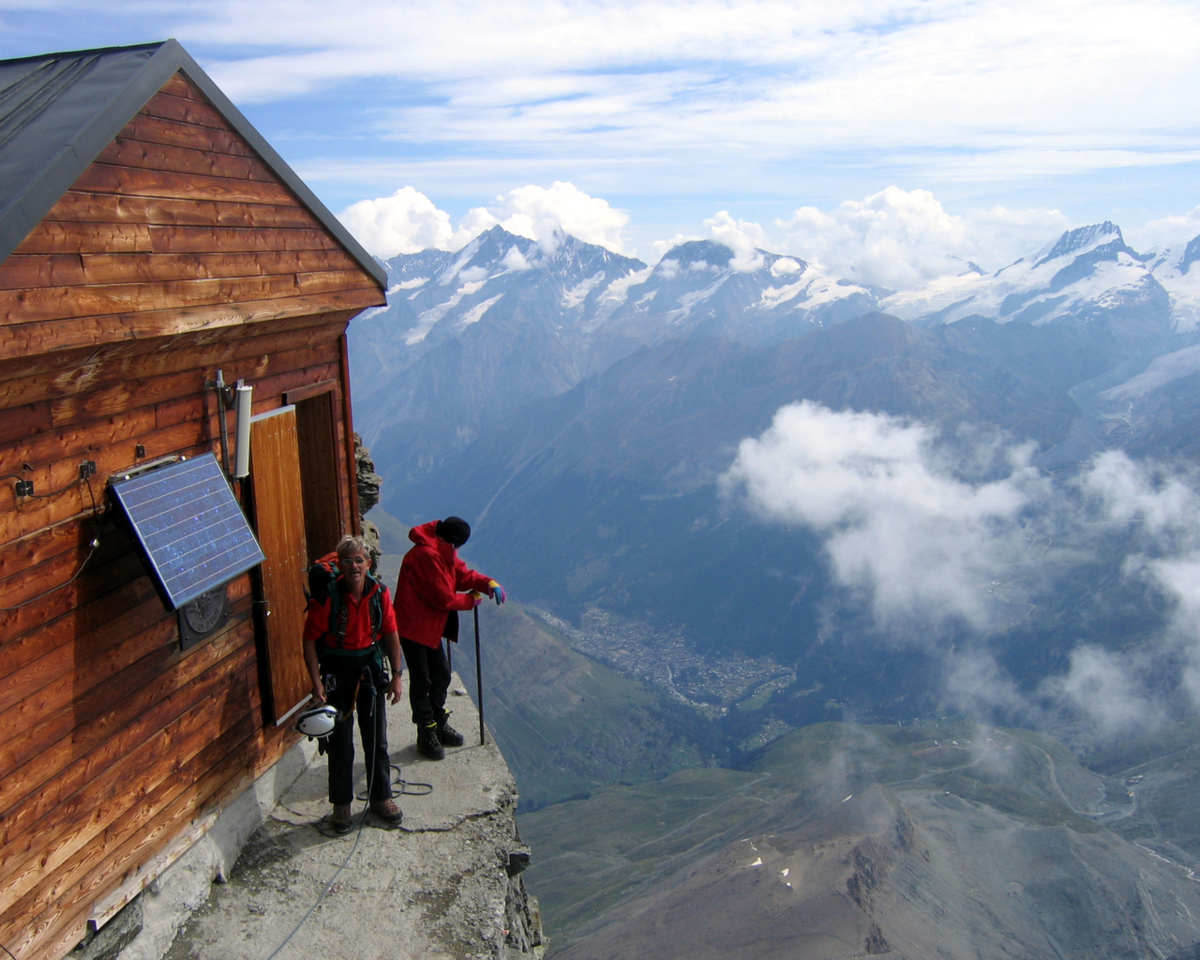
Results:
<point x="318" y="721"/>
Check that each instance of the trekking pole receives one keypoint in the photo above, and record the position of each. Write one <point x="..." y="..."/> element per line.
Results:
<point x="479" y="680"/>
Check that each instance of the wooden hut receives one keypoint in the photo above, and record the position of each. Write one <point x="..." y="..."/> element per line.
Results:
<point x="149" y="238"/>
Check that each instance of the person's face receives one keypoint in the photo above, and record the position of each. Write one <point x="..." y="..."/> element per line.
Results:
<point x="354" y="569"/>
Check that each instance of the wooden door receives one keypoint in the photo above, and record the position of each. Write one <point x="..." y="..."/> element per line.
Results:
<point x="279" y="519"/>
<point x="319" y="473"/>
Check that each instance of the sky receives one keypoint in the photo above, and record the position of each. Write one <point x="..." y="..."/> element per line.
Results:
<point x="943" y="130"/>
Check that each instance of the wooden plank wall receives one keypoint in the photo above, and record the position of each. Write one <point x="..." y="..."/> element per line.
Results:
<point x="175" y="254"/>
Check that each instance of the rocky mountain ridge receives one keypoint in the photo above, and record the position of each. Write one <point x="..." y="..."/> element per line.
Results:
<point x="472" y="337"/>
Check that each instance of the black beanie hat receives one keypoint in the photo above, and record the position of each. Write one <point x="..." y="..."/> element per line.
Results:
<point x="454" y="530"/>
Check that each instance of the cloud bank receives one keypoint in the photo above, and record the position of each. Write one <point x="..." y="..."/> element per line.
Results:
<point x="901" y="239"/>
<point x="900" y="524"/>
<point x="944" y="538"/>
<point x="408" y="221"/>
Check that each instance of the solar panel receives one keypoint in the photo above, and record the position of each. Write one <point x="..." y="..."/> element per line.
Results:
<point x="191" y="529"/>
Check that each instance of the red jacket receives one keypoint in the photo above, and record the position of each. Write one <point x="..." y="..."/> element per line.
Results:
<point x="431" y="578"/>
<point x="359" y="634"/>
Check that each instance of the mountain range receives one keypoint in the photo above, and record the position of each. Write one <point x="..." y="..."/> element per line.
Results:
<point x="969" y="493"/>
<point x="581" y="408"/>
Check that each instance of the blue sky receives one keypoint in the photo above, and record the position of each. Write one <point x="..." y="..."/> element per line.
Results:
<point x="836" y="132"/>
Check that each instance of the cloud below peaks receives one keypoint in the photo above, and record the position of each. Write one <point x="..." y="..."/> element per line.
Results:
<point x="900" y="522"/>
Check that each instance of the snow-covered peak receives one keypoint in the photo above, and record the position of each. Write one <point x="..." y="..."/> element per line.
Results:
<point x="1177" y="270"/>
<point x="1086" y="274"/>
<point x="1080" y="240"/>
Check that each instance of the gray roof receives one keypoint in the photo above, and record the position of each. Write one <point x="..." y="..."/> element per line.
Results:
<point x="60" y="110"/>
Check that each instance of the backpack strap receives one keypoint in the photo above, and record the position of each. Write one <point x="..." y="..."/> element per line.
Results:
<point x="339" y="613"/>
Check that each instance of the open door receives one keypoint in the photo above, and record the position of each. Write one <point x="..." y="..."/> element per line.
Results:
<point x="279" y="519"/>
<point x="319" y="473"/>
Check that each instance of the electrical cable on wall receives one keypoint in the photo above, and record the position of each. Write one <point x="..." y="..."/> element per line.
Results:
<point x="93" y="546"/>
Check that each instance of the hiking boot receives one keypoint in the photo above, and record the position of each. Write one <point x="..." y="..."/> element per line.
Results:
<point x="428" y="743"/>
<point x="387" y="810"/>
<point x="341" y="818"/>
<point x="447" y="735"/>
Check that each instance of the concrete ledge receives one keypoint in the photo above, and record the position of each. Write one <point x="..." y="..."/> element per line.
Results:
<point x="444" y="885"/>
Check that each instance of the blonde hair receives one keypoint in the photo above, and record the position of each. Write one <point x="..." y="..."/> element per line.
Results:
<point x="349" y="545"/>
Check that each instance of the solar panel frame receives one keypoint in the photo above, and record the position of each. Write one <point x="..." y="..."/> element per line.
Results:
<point x="189" y="526"/>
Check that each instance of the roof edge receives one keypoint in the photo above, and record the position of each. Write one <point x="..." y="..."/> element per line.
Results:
<point x="28" y="209"/>
<point x="303" y="192"/>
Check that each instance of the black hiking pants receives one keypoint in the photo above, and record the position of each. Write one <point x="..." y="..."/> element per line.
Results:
<point x="428" y="681"/>
<point x="357" y="685"/>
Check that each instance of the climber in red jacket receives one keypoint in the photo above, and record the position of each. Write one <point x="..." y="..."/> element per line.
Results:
<point x="433" y="582"/>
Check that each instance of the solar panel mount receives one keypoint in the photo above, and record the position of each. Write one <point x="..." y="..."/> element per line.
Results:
<point x="191" y="529"/>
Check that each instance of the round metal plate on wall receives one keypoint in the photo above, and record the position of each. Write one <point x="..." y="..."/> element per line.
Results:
<point x="201" y="616"/>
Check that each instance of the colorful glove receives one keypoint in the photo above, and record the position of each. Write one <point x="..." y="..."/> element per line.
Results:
<point x="476" y="598"/>
<point x="498" y="593"/>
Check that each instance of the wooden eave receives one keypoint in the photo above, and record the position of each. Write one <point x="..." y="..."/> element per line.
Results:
<point x="67" y="154"/>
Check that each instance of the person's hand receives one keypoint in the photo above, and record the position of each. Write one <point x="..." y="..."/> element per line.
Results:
<point x="318" y="692"/>
<point x="496" y="592"/>
<point x="395" y="688"/>
<point x="476" y="598"/>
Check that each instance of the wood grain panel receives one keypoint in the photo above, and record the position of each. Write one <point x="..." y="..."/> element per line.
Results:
<point x="278" y="504"/>
<point x="127" y="152"/>
<point x="69" y="762"/>
<point x="345" y="426"/>
<point x="33" y="338"/>
<point x="66" y="270"/>
<point x="109" y="178"/>
<point x="51" y="236"/>
<point x="226" y="778"/>
<point x="101" y="802"/>
<point x="23" y="422"/>
<point x="38" y="637"/>
<point x="99" y="717"/>
<point x="173" y="133"/>
<point x="180" y="86"/>
<point x="319" y="467"/>
<point x="55" y="303"/>
<point x="277" y="386"/>
<point x="260" y="368"/>
<point x="185" y="109"/>
<point x="81" y="362"/>
<point x="167" y="766"/>
<point x="85" y="207"/>
<point x="238" y="239"/>
<point x="71" y="823"/>
<point x="68" y="503"/>
<point x="241" y="357"/>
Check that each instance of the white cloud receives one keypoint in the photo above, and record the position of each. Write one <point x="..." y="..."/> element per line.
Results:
<point x="1109" y="689"/>
<point x="926" y="546"/>
<point x="408" y="221"/>
<point x="546" y="214"/>
<point x="902" y="239"/>
<point x="515" y="260"/>
<point x="898" y="521"/>
<point x="987" y="85"/>
<point x="742" y="237"/>
<point x="405" y="222"/>
<point x="1165" y="231"/>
